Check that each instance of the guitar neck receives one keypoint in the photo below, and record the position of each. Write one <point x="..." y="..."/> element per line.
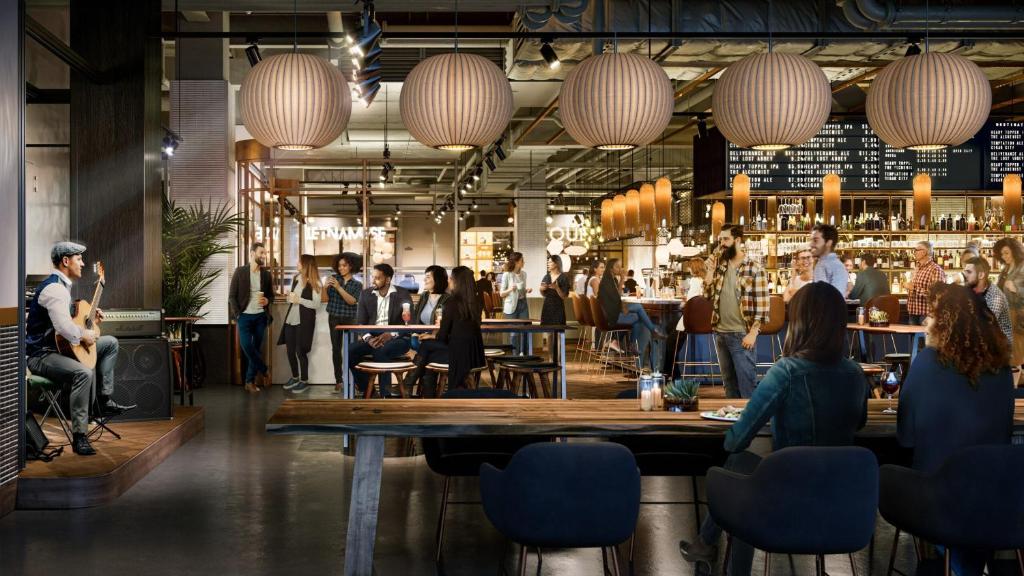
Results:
<point x="95" y="304"/>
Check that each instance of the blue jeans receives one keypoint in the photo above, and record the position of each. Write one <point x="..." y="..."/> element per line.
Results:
<point x="518" y="339"/>
<point x="251" y="330"/>
<point x="641" y="328"/>
<point x="916" y="319"/>
<point x="389" y="352"/>
<point x="739" y="365"/>
<point x="741" y="555"/>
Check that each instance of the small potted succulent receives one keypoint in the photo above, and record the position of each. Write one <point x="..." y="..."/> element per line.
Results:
<point x="682" y="395"/>
<point x="878" y="318"/>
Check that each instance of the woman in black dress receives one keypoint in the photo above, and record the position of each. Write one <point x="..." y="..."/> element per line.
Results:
<point x="555" y="288"/>
<point x="458" y="342"/>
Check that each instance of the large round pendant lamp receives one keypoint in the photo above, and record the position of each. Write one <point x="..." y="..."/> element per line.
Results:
<point x="616" y="101"/>
<point x="771" y="101"/>
<point x="456" y="101"/>
<point x="295" y="102"/>
<point x="929" y="101"/>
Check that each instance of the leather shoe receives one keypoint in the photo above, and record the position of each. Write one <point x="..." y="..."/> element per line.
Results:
<point x="659" y="335"/>
<point x="110" y="408"/>
<point x="698" y="551"/>
<point x="80" y="444"/>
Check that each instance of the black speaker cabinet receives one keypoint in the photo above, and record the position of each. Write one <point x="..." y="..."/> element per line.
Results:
<point x="143" y="377"/>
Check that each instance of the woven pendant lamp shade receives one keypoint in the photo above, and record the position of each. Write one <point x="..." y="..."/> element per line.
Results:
<point x="929" y="101"/>
<point x="620" y="215"/>
<point x="771" y="101"/>
<point x="456" y="101"/>
<point x="616" y="101"/>
<point x="608" y="218"/>
<point x="295" y="102"/>
<point x="648" y="212"/>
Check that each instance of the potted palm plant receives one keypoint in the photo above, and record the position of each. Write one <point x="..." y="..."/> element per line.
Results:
<point x="682" y="395"/>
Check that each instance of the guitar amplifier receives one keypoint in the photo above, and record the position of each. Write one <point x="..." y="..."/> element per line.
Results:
<point x="143" y="377"/>
<point x="132" y="323"/>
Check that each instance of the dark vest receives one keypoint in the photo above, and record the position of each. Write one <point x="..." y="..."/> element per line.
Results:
<point x="39" y="327"/>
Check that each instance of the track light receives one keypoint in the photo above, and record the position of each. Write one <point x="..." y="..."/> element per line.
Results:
<point x="490" y="163"/>
<point x="253" y="54"/>
<point x="398" y="210"/>
<point x="477" y="173"/>
<point x="549" y="219"/>
<point x="913" y="49"/>
<point x="702" y="128"/>
<point x="550" y="56"/>
<point x="498" y="149"/>
<point x="475" y="206"/>
<point x="169" y="145"/>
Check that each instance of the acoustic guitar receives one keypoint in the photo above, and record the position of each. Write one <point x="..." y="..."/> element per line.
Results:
<point x="84" y="316"/>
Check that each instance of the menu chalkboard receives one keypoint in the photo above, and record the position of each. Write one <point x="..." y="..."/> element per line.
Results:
<point x="1005" y="151"/>
<point x="851" y="149"/>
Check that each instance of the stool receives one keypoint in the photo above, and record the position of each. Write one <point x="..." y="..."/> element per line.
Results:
<point x="500" y="360"/>
<point x="525" y="373"/>
<point x="492" y="353"/>
<point x="396" y="369"/>
<point x="441" y="369"/>
<point x="49" y="392"/>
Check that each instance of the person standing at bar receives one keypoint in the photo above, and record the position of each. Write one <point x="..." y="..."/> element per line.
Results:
<point x="927" y="273"/>
<point x="249" y="297"/>
<point x="380" y="305"/>
<point x="513" y="291"/>
<point x="342" y="297"/>
<point x="300" y="322"/>
<point x="736" y="286"/>
<point x="555" y="289"/>
<point x="1010" y="253"/>
<point x="829" y="268"/>
<point x="483" y="285"/>
<point x="976" y="271"/>
<point x="803" y="274"/>
<point x="813" y="396"/>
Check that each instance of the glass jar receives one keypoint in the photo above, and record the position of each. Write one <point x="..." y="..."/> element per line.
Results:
<point x="645" y="392"/>
<point x="658" y="386"/>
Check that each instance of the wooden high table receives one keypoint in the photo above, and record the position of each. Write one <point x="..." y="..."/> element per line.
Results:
<point x="374" y="420"/>
<point x="488" y="326"/>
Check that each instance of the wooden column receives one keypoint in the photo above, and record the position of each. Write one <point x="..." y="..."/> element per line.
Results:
<point x="115" y="147"/>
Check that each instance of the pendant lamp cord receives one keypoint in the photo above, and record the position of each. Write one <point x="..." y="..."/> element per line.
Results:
<point x="927" y="24"/>
<point x="770" y="40"/>
<point x="295" y="26"/>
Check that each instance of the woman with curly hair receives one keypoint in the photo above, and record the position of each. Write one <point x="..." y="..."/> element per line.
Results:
<point x="1010" y="254"/>
<point x="959" y="391"/>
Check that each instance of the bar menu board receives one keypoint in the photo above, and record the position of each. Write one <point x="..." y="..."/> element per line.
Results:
<point x="851" y="149"/>
<point x="1006" y="151"/>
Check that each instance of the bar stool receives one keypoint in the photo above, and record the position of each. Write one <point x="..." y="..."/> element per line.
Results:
<point x="546" y="371"/>
<point x="891" y="306"/>
<point x="441" y="369"/>
<point x="697" y="322"/>
<point x="49" y="393"/>
<point x="396" y="369"/>
<point x="771" y="329"/>
<point x="608" y="332"/>
<point x="581" y="310"/>
<point x="499" y="361"/>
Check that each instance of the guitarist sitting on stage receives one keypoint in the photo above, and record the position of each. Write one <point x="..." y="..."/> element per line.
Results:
<point x="50" y="313"/>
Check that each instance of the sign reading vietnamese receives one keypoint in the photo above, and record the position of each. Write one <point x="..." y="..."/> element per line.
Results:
<point x="343" y="233"/>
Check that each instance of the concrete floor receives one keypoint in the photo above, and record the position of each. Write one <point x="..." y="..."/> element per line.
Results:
<point x="235" y="500"/>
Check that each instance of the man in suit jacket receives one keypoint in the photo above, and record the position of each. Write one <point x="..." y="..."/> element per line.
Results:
<point x="870" y="281"/>
<point x="380" y="305"/>
<point x="249" y="298"/>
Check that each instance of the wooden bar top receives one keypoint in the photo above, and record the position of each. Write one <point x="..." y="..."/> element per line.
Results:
<point x="485" y="327"/>
<point x="451" y="417"/>
<point x="890" y="329"/>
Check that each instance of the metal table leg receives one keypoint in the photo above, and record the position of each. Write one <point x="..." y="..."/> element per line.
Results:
<point x="561" y="351"/>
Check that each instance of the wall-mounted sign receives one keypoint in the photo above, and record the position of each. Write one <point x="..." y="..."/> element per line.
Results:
<point x="568" y="234"/>
<point x="343" y="233"/>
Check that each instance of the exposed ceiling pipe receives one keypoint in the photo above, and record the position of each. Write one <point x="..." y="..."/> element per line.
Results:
<point x="881" y="14"/>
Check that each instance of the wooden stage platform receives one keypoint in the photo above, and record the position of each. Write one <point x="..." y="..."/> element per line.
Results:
<point x="73" y="481"/>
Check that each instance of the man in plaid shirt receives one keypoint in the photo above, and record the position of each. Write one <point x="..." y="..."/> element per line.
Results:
<point x="976" y="271"/>
<point x="736" y="286"/>
<point x="928" y="273"/>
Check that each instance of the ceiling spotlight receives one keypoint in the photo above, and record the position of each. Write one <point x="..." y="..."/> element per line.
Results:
<point x="511" y="220"/>
<point x="490" y="163"/>
<point x="913" y="49"/>
<point x="702" y="128"/>
<point x="462" y="194"/>
<point x="498" y="150"/>
<point x="253" y="54"/>
<point x="477" y="173"/>
<point x="550" y="56"/>
<point x="475" y="206"/>
<point x="169" y="145"/>
<point x="461" y="218"/>
<point x="549" y="219"/>
<point x="398" y="210"/>
<point x="514" y="203"/>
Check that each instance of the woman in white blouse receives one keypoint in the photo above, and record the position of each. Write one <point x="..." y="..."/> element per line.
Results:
<point x="513" y="290"/>
<point x="300" y="322"/>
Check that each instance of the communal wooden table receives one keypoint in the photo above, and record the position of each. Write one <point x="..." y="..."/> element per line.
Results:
<point x="488" y="326"/>
<point x="914" y="332"/>
<point x="373" y="420"/>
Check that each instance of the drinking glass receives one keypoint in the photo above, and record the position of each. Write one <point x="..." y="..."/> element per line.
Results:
<point x="890" y="385"/>
<point x="406" y="314"/>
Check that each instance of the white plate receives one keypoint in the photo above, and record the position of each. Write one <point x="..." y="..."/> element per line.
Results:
<point x="713" y="416"/>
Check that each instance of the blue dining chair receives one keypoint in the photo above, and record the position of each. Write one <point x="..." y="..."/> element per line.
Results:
<point x="813" y="500"/>
<point x="974" y="501"/>
<point x="564" y="495"/>
<point x="451" y="457"/>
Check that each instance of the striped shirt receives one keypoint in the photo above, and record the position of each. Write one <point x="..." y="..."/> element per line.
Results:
<point x="751" y="290"/>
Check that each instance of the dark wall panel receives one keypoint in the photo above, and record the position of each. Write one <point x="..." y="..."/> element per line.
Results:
<point x="115" y="147"/>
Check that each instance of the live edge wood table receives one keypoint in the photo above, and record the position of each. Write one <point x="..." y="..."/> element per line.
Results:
<point x="373" y="420"/>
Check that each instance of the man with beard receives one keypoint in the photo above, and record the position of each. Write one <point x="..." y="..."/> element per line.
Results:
<point x="976" y="272"/>
<point x="249" y="298"/>
<point x="829" y="268"/>
<point x="736" y="286"/>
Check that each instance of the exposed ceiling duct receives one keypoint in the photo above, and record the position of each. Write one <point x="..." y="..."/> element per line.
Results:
<point x="887" y="15"/>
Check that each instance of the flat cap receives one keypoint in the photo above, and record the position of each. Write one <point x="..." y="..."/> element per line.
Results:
<point x="62" y="249"/>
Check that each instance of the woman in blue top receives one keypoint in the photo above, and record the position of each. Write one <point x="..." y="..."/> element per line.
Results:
<point x="813" y="396"/>
<point x="959" y="391"/>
